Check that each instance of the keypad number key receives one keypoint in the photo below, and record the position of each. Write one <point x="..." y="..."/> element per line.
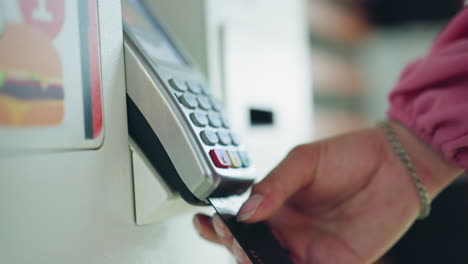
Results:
<point x="194" y="87"/>
<point x="189" y="101"/>
<point x="224" y="138"/>
<point x="205" y="89"/>
<point x="199" y="119"/>
<point x="209" y="137"/>
<point x="235" y="139"/>
<point x="225" y="121"/>
<point x="214" y="120"/>
<point x="217" y="105"/>
<point x="205" y="103"/>
<point x="178" y="85"/>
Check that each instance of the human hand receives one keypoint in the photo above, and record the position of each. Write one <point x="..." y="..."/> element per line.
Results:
<point x="343" y="200"/>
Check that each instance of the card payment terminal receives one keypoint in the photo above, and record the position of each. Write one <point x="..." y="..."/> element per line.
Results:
<point x="182" y="123"/>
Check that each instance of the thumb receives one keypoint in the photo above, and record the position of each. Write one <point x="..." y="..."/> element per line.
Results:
<point x="296" y="171"/>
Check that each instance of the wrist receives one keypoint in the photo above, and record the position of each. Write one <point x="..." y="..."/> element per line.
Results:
<point x="434" y="172"/>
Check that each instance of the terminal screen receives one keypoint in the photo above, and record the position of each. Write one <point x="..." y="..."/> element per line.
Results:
<point x="148" y="34"/>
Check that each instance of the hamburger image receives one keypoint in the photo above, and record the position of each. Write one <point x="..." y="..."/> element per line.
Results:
<point x="31" y="86"/>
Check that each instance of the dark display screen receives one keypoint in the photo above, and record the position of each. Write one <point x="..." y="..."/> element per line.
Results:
<point x="148" y="34"/>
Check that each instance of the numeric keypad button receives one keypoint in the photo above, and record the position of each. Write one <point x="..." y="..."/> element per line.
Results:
<point x="224" y="138"/>
<point x="178" y="85"/>
<point x="209" y="137"/>
<point x="194" y="88"/>
<point x="235" y="139"/>
<point x="199" y="119"/>
<point x="217" y="105"/>
<point x="225" y="121"/>
<point x="205" y="89"/>
<point x="214" y="120"/>
<point x="189" y="101"/>
<point x="205" y="102"/>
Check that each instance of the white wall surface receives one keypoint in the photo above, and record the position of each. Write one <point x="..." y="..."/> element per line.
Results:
<point x="78" y="207"/>
<point x="260" y="60"/>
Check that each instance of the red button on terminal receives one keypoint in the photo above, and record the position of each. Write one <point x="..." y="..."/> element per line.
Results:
<point x="220" y="158"/>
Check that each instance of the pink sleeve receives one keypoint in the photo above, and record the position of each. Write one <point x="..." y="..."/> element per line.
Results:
<point x="431" y="97"/>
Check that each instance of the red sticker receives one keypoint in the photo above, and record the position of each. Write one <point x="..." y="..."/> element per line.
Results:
<point x="95" y="69"/>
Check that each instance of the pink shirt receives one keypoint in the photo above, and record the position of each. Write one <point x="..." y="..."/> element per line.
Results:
<point x="431" y="97"/>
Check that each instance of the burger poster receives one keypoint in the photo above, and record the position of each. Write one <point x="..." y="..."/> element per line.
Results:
<point x="50" y="84"/>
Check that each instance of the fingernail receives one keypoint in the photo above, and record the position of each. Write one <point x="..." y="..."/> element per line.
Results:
<point x="249" y="207"/>
<point x="218" y="226"/>
<point x="196" y="224"/>
<point x="238" y="252"/>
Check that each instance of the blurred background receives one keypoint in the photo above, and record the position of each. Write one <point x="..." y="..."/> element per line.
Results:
<point x="358" y="49"/>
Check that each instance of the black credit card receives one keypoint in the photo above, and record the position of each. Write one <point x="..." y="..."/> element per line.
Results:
<point x="256" y="240"/>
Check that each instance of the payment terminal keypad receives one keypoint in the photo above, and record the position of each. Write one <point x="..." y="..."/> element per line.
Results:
<point x="206" y="116"/>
